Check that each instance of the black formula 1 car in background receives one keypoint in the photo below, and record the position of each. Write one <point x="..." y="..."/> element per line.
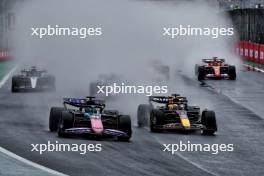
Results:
<point x="88" y="116"/>
<point x="215" y="69"/>
<point x="33" y="79"/>
<point x="174" y="113"/>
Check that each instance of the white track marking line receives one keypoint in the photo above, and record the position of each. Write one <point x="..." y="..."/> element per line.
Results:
<point x="19" y="158"/>
<point x="260" y="70"/>
<point x="35" y="165"/>
<point x="189" y="161"/>
<point x="186" y="159"/>
<point x="7" y="76"/>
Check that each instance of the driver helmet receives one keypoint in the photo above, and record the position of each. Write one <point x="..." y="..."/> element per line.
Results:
<point x="172" y="105"/>
<point x="88" y="110"/>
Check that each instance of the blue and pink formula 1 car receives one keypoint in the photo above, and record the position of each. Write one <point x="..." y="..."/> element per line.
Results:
<point x="88" y="116"/>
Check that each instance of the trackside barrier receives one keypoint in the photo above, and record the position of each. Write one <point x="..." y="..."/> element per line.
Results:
<point x="4" y="55"/>
<point x="251" y="51"/>
<point x="261" y="54"/>
<point x="252" y="54"/>
<point x="253" y="68"/>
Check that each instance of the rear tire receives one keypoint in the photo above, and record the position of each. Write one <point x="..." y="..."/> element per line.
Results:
<point x="196" y="69"/>
<point x="66" y="122"/>
<point x="143" y="114"/>
<point x="13" y="89"/>
<point x="13" y="86"/>
<point x="232" y="72"/>
<point x="124" y="125"/>
<point x="54" y="118"/>
<point x="209" y="122"/>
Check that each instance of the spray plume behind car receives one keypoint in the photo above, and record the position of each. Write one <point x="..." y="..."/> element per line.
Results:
<point x="131" y="38"/>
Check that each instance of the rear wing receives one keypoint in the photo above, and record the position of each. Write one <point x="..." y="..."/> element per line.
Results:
<point x="164" y="100"/>
<point x="158" y="99"/>
<point x="30" y="70"/>
<point x="213" y="60"/>
<point x="84" y="102"/>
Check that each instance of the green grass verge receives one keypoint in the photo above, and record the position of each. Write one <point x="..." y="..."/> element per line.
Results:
<point x="261" y="66"/>
<point x="5" y="67"/>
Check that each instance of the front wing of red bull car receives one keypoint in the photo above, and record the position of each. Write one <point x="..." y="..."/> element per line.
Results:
<point x="89" y="117"/>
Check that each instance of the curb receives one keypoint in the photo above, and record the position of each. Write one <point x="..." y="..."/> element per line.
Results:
<point x="7" y="76"/>
<point x="19" y="158"/>
<point x="252" y="68"/>
<point x="30" y="163"/>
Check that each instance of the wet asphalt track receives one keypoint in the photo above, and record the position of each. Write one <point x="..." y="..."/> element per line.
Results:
<point x="24" y="120"/>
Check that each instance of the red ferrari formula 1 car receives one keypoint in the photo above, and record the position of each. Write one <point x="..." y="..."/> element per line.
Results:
<point x="215" y="69"/>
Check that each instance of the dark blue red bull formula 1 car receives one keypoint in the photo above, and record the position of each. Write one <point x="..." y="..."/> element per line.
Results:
<point x="174" y="113"/>
<point x="88" y="116"/>
<point x="215" y="69"/>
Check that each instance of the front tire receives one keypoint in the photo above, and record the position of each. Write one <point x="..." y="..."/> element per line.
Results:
<point x="232" y="72"/>
<point x="209" y="122"/>
<point x="54" y="118"/>
<point x="66" y="122"/>
<point x="155" y="119"/>
<point x="201" y="73"/>
<point x="124" y="125"/>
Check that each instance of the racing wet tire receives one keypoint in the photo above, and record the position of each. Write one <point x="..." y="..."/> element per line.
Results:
<point x="124" y="125"/>
<point x="54" y="118"/>
<point x="196" y="69"/>
<point x="201" y="73"/>
<point x="209" y="122"/>
<point x="232" y="72"/>
<point x="66" y="121"/>
<point x="13" y="86"/>
<point x="155" y="120"/>
<point x="143" y="114"/>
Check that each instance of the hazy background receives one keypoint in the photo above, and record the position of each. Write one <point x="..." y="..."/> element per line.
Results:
<point x="132" y="37"/>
